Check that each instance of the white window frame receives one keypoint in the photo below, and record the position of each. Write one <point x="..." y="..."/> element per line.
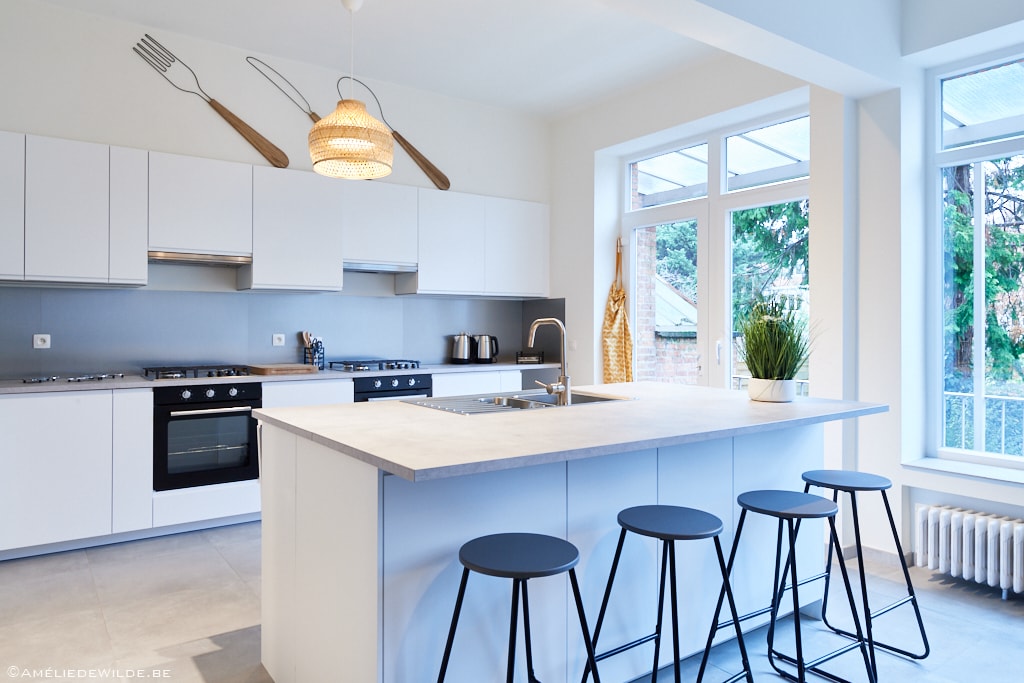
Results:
<point x="938" y="159"/>
<point x="714" y="235"/>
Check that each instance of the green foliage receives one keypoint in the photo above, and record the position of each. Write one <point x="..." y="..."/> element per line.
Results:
<point x="677" y="256"/>
<point x="769" y="243"/>
<point x="775" y="341"/>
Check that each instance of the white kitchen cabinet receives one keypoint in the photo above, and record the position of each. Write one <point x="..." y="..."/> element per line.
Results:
<point x="67" y="207"/>
<point x="12" y="206"/>
<point x="129" y="216"/>
<point x="132" y="452"/>
<point x="380" y="224"/>
<point x="296" y="231"/>
<point x="478" y="382"/>
<point x="199" y="206"/>
<point x="55" y="465"/>
<point x="479" y="246"/>
<point x="451" y="245"/>
<point x="310" y="392"/>
<point x="516" y="248"/>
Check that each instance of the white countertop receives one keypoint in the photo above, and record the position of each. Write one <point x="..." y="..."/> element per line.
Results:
<point x="133" y="381"/>
<point x="419" y="443"/>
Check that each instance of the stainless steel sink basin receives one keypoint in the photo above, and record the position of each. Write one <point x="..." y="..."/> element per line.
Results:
<point x="504" y="402"/>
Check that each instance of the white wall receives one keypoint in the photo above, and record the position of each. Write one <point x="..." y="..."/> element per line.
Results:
<point x="929" y="24"/>
<point x="73" y="75"/>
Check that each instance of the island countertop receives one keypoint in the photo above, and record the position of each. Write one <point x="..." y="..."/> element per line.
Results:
<point x="419" y="443"/>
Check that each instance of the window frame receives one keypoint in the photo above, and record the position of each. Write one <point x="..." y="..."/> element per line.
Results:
<point x="938" y="159"/>
<point x="714" y="232"/>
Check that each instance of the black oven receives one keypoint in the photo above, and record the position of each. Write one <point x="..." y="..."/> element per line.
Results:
<point x="204" y="434"/>
<point x="390" y="387"/>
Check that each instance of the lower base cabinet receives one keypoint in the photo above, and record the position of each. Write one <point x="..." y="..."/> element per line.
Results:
<point x="55" y="467"/>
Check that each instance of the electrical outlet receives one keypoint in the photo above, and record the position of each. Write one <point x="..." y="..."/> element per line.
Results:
<point x="40" y="341"/>
<point x="277" y="339"/>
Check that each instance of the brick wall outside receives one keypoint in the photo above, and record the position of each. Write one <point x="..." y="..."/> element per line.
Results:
<point x="662" y="359"/>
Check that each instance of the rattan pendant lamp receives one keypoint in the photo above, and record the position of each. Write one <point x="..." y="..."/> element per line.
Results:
<point x="349" y="143"/>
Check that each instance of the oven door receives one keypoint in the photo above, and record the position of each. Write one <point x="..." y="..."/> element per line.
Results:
<point x="204" y="444"/>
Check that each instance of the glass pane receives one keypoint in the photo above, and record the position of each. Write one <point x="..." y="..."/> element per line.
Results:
<point x="769" y="256"/>
<point x="672" y="177"/>
<point x="665" y="335"/>
<point x="768" y="155"/>
<point x="207" y="443"/>
<point x="983" y="105"/>
<point x="994" y="421"/>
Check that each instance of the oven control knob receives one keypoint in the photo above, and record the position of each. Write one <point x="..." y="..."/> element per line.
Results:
<point x="232" y="392"/>
<point x="412" y="381"/>
<point x="394" y="383"/>
<point x="376" y="384"/>
<point x="186" y="394"/>
<point x="210" y="393"/>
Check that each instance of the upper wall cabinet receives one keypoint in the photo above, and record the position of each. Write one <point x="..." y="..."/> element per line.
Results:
<point x="85" y="212"/>
<point x="297" y="240"/>
<point x="379" y="222"/>
<point x="12" y="206"/>
<point x="199" y="206"/>
<point x="482" y="246"/>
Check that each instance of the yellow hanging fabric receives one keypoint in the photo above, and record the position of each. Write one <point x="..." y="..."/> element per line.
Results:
<point x="615" y="336"/>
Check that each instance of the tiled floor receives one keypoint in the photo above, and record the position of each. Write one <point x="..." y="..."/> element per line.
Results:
<point x="188" y="607"/>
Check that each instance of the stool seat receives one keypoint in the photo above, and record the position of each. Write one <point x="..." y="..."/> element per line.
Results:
<point x="787" y="504"/>
<point x="518" y="555"/>
<point x="670" y="522"/>
<point x="845" y="480"/>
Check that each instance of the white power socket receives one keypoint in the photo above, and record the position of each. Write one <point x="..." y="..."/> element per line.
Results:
<point x="277" y="339"/>
<point x="40" y="341"/>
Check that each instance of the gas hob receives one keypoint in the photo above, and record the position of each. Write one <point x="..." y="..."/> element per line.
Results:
<point x="195" y="371"/>
<point x="373" y="365"/>
<point x="91" y="377"/>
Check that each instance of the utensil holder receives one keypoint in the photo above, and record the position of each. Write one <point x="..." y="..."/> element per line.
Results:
<point x="314" y="355"/>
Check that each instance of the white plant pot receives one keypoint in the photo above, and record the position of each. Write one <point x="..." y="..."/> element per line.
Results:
<point x="772" y="390"/>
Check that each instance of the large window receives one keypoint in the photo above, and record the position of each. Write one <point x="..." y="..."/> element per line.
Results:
<point x="980" y="172"/>
<point x="714" y="223"/>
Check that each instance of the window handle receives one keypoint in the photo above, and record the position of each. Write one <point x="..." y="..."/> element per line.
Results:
<point x="718" y="351"/>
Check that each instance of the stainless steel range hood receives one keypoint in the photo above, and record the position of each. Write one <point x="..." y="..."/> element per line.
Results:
<point x="198" y="259"/>
<point x="371" y="267"/>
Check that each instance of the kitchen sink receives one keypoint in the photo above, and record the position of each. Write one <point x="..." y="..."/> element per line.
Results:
<point x="505" y="402"/>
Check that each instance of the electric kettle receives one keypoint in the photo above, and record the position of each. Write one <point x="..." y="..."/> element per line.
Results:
<point x="486" y="348"/>
<point x="462" y="348"/>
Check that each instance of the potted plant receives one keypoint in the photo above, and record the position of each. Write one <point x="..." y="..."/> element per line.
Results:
<point x="774" y="346"/>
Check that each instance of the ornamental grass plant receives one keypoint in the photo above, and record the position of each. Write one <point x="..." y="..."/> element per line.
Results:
<point x="775" y="342"/>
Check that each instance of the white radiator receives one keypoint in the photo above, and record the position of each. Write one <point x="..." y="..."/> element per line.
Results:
<point x="976" y="546"/>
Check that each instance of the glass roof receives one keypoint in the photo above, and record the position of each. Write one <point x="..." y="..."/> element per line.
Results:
<point x="770" y="147"/>
<point x="680" y="168"/>
<point x="983" y="96"/>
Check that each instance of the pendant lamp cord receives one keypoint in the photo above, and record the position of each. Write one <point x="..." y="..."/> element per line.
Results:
<point x="352" y="50"/>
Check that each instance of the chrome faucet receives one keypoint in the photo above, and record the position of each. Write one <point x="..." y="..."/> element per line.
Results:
<point x="563" y="387"/>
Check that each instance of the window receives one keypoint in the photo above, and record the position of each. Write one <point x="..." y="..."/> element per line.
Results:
<point x="702" y="247"/>
<point x="981" y="219"/>
<point x="670" y="177"/>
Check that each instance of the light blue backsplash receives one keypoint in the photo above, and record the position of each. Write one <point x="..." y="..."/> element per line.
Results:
<point x="100" y="330"/>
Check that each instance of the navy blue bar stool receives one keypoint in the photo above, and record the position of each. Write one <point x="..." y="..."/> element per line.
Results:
<point x="519" y="557"/>
<point x="852" y="483"/>
<point x="668" y="524"/>
<point x="790" y="507"/>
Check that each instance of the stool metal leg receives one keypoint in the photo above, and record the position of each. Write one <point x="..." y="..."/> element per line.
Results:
<point x="455" y="622"/>
<point x="530" y="677"/>
<point x="512" y="631"/>
<point x="869" y="614"/>
<point x="587" y="642"/>
<point x="671" y="549"/>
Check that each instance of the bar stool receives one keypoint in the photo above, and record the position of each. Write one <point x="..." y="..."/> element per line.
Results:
<point x="851" y="483"/>
<point x="789" y="508"/>
<point x="520" y="557"/>
<point x="668" y="524"/>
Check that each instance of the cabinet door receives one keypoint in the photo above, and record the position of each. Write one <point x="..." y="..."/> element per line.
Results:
<point x="451" y="242"/>
<point x="129" y="215"/>
<point x="296" y="231"/>
<point x="380" y="223"/>
<point x="199" y="206"/>
<point x="67" y="189"/>
<point x="12" y="206"/>
<point x="516" y="248"/>
<point x="55" y="464"/>
<point x="132" y="488"/>
<point x="310" y="392"/>
<point x="465" y="383"/>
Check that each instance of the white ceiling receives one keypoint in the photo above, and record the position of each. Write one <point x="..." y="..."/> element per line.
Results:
<point x="539" y="56"/>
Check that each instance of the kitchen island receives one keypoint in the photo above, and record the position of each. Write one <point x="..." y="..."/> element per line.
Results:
<point x="366" y="505"/>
